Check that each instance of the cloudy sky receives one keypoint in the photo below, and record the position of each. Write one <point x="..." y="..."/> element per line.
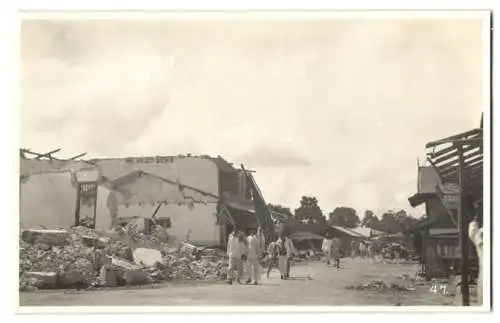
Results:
<point x="337" y="109"/>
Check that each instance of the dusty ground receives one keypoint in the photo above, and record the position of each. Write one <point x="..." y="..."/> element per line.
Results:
<point x="310" y="284"/>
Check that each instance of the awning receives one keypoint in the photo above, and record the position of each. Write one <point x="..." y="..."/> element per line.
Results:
<point x="241" y="206"/>
<point x="419" y="198"/>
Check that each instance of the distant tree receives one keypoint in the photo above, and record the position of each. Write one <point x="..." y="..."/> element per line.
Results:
<point x="344" y="216"/>
<point x="309" y="211"/>
<point x="389" y="224"/>
<point x="395" y="222"/>
<point x="280" y="209"/>
<point x="370" y="220"/>
<point x="280" y="213"/>
<point x="406" y="220"/>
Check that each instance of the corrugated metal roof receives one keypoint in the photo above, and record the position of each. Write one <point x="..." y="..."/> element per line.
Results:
<point x="362" y="231"/>
<point x="347" y="231"/>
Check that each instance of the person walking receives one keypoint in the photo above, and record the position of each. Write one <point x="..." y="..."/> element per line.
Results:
<point x="336" y="251"/>
<point x="369" y="250"/>
<point x="253" y="253"/>
<point x="353" y="249"/>
<point x="285" y="254"/>
<point x="282" y="256"/>
<point x="272" y="256"/>
<point x="326" y="247"/>
<point x="362" y="249"/>
<point x="236" y="252"/>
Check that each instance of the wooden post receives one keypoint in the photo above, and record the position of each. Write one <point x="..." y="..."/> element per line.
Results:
<point x="463" y="233"/>
<point x="77" y="210"/>
<point x="95" y="206"/>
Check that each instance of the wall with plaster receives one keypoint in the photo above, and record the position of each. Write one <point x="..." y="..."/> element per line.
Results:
<point x="47" y="200"/>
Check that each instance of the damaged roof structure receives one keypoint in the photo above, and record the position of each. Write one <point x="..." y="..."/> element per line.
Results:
<point x="182" y="180"/>
<point x="453" y="184"/>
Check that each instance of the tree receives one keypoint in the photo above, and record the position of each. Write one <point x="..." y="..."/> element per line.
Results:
<point x="389" y="224"/>
<point x="280" y="209"/>
<point x="395" y="222"/>
<point x="309" y="211"/>
<point x="282" y="213"/>
<point x="344" y="216"/>
<point x="370" y="220"/>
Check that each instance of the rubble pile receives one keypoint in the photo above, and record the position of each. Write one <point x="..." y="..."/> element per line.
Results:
<point x="187" y="269"/>
<point x="86" y="258"/>
<point x="380" y="286"/>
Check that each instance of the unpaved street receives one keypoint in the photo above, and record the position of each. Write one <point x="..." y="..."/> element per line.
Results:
<point x="312" y="284"/>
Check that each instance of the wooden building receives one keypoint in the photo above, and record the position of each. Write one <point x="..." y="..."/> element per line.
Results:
<point x="451" y="187"/>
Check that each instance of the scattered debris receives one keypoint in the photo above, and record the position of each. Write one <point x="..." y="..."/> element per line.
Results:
<point x="84" y="258"/>
<point x="381" y="286"/>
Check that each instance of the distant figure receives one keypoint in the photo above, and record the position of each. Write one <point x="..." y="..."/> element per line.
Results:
<point x="326" y="247"/>
<point x="369" y="250"/>
<point x="397" y="250"/>
<point x="353" y="249"/>
<point x="272" y="254"/>
<point x="236" y="252"/>
<point x="336" y="251"/>
<point x="362" y="249"/>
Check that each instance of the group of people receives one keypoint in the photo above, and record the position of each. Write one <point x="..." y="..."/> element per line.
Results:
<point x="332" y="249"/>
<point x="247" y="252"/>
<point x="361" y="249"/>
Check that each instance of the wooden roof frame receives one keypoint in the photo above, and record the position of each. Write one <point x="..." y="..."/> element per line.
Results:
<point x="48" y="155"/>
<point x="448" y="152"/>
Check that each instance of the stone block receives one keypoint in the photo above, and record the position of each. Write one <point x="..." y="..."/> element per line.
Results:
<point x="146" y="257"/>
<point x="43" y="280"/>
<point x="50" y="237"/>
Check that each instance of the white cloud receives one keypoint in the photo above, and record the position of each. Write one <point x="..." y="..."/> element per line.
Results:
<point x="351" y="102"/>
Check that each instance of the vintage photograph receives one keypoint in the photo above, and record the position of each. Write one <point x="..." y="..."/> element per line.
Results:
<point x="255" y="159"/>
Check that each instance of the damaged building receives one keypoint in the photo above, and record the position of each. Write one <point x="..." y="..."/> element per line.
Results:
<point x="451" y="187"/>
<point x="199" y="199"/>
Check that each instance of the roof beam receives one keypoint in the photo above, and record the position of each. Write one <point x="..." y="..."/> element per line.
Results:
<point x="473" y="163"/>
<point x="77" y="156"/>
<point x="478" y="163"/>
<point x="452" y="149"/>
<point x="455" y="161"/>
<point x="455" y="138"/>
<point x="472" y="142"/>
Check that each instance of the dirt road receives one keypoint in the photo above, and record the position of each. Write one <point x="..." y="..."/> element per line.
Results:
<point x="311" y="284"/>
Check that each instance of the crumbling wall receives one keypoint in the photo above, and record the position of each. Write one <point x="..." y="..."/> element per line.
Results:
<point x="200" y="173"/>
<point x="47" y="201"/>
<point x="192" y="214"/>
<point x="198" y="224"/>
